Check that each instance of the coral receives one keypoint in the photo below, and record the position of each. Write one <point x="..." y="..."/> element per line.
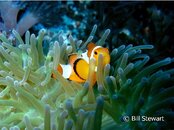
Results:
<point x="21" y="16"/>
<point x="31" y="99"/>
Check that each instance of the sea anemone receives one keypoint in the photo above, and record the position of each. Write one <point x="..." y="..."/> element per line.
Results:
<point x="31" y="99"/>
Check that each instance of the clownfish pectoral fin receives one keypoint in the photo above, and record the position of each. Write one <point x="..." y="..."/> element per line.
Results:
<point x="81" y="68"/>
<point x="72" y="58"/>
<point x="80" y="71"/>
<point x="90" y="47"/>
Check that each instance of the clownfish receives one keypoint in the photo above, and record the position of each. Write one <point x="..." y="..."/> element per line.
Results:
<point x="78" y="68"/>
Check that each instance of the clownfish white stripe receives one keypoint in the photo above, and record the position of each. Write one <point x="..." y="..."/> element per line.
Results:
<point x="92" y="53"/>
<point x="67" y="70"/>
<point x="85" y="57"/>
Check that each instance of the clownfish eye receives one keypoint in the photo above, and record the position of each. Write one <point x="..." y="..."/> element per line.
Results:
<point x="95" y="52"/>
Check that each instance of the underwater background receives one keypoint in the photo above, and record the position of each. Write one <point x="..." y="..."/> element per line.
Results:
<point x="137" y="85"/>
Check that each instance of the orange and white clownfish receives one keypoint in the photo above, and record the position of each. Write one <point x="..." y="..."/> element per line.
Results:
<point x="78" y="67"/>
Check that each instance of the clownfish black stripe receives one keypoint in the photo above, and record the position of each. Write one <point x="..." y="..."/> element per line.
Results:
<point x="75" y="68"/>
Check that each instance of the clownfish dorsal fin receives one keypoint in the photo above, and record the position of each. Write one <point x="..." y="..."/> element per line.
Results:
<point x="90" y="47"/>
